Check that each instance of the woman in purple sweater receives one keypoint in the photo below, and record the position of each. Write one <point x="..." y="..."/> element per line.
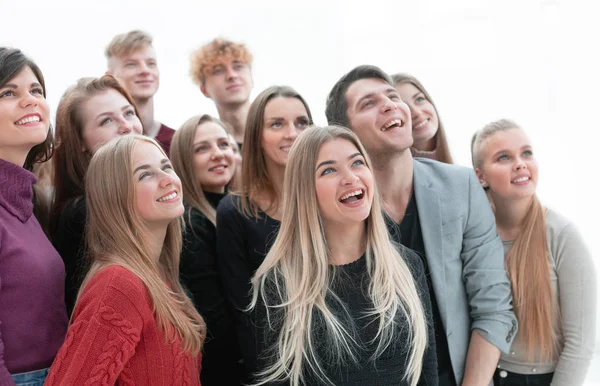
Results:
<point x="33" y="317"/>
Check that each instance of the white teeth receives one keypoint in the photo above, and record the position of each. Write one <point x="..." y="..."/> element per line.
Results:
<point x="392" y="123"/>
<point x="168" y="197"/>
<point x="286" y="149"/>
<point x="521" y="179"/>
<point x="218" y="168"/>
<point x="420" y="124"/>
<point x="355" y="193"/>
<point x="33" y="118"/>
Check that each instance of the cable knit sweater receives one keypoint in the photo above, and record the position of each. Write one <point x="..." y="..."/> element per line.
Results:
<point x="115" y="340"/>
<point x="33" y="317"/>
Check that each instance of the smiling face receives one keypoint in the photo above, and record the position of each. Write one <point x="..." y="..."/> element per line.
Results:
<point x="138" y="72"/>
<point x="425" y="121"/>
<point x="24" y="116"/>
<point x="378" y="116"/>
<point x="213" y="157"/>
<point x="284" y="119"/>
<point x="508" y="166"/>
<point x="158" y="190"/>
<point x="105" y="116"/>
<point x="228" y="82"/>
<point x="343" y="183"/>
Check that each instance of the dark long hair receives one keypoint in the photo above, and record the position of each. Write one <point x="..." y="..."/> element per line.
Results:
<point x="12" y="62"/>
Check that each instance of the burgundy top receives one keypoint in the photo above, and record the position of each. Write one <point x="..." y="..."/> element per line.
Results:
<point x="33" y="316"/>
<point x="164" y="137"/>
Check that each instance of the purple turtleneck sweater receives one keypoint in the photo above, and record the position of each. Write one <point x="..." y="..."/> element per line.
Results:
<point x="33" y="317"/>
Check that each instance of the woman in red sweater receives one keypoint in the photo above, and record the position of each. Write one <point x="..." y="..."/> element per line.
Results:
<point x="132" y="322"/>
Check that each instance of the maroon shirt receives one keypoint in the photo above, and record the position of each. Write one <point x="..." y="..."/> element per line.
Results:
<point x="164" y="137"/>
<point x="33" y="315"/>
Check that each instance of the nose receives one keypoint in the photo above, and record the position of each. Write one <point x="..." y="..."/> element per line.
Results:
<point x="217" y="153"/>
<point x="292" y="131"/>
<point x="231" y="73"/>
<point x="520" y="163"/>
<point x="28" y="100"/>
<point x="125" y="127"/>
<point x="388" y="105"/>
<point x="349" y="178"/>
<point x="167" y="178"/>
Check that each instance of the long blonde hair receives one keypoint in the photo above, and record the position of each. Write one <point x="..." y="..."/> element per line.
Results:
<point x="297" y="274"/>
<point x="116" y="234"/>
<point x="526" y="263"/>
<point x="182" y="156"/>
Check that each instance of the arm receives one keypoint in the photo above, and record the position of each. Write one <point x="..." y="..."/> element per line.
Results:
<point x="577" y="301"/>
<point x="236" y="274"/>
<point x="100" y="342"/>
<point x="493" y="323"/>
<point x="5" y="377"/>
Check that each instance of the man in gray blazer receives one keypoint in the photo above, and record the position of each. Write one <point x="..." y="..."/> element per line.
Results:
<point x="440" y="211"/>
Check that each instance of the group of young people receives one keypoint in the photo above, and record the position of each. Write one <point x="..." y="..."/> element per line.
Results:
<point x="258" y="248"/>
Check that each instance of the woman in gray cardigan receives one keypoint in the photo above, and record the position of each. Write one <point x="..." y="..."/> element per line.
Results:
<point x="551" y="270"/>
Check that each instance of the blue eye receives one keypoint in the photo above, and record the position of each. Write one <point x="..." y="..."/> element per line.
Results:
<point x="224" y="145"/>
<point x="105" y="121"/>
<point x="327" y="171"/>
<point x="503" y="158"/>
<point x="144" y="175"/>
<point x="201" y="148"/>
<point x="38" y="90"/>
<point x="7" y="93"/>
<point x="358" y="162"/>
<point x="276" y="124"/>
<point x="367" y="104"/>
<point x="527" y="153"/>
<point x="130" y="113"/>
<point x="167" y="167"/>
<point x="420" y="99"/>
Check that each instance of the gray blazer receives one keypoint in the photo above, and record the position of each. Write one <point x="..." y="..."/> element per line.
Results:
<point x="465" y="258"/>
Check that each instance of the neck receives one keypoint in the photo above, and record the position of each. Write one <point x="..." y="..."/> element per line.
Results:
<point x="236" y="117"/>
<point x="345" y="242"/>
<point x="155" y="241"/>
<point x="214" y="189"/>
<point x="15" y="156"/>
<point x="427" y="145"/>
<point x="510" y="215"/>
<point x="276" y="173"/>
<point x="146" y="110"/>
<point x="394" y="175"/>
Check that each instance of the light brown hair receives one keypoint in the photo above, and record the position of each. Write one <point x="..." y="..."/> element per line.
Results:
<point x="526" y="263"/>
<point x="442" y="150"/>
<point x="207" y="56"/>
<point x="255" y="179"/>
<point x="116" y="234"/>
<point x="182" y="157"/>
<point x="70" y="162"/>
<point x="126" y="43"/>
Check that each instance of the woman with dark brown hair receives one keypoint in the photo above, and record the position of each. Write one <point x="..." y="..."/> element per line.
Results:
<point x="90" y="113"/>
<point x="247" y="222"/>
<point x="32" y="309"/>
<point x="428" y="130"/>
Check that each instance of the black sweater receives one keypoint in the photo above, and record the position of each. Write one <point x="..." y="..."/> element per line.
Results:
<point x="69" y="241"/>
<point x="242" y="244"/>
<point x="200" y="277"/>
<point x="350" y="284"/>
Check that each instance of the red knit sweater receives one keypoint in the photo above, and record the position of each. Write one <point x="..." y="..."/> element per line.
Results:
<point x="114" y="339"/>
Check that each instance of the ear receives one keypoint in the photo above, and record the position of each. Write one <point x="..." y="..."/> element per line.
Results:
<point x="481" y="179"/>
<point x="203" y="89"/>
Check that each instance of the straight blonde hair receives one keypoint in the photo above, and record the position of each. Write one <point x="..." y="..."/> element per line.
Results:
<point x="526" y="263"/>
<point x="116" y="234"/>
<point x="297" y="273"/>
<point x="182" y="156"/>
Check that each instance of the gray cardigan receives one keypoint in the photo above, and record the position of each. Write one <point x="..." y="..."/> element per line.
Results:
<point x="465" y="258"/>
<point x="573" y="275"/>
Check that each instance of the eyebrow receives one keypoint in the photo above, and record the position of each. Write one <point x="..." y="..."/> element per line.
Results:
<point x="147" y="166"/>
<point x="127" y="106"/>
<point x="331" y="162"/>
<point x="371" y="95"/>
<point x="208" y="140"/>
<point x="14" y="86"/>
<point x="507" y="151"/>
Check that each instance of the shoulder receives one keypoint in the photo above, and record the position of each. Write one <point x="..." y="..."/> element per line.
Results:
<point x="75" y="208"/>
<point x="442" y="172"/>
<point x="230" y="205"/>
<point x="556" y="223"/>
<point x="563" y="235"/>
<point x="166" y="130"/>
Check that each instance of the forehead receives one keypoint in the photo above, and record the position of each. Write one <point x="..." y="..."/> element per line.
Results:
<point x="103" y="101"/>
<point x="209" y="130"/>
<point x="363" y="87"/>
<point x="510" y="139"/>
<point x="146" y="153"/>
<point x="407" y="88"/>
<point x="280" y="106"/>
<point x="25" y="75"/>
<point x="143" y="52"/>
<point x="226" y="60"/>
<point x="337" y="148"/>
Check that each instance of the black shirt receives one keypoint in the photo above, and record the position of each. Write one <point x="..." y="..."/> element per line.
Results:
<point x="408" y="233"/>
<point x="351" y="284"/>
<point x="200" y="277"/>
<point x="242" y="244"/>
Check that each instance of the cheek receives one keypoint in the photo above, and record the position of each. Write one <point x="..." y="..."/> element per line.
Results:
<point x="144" y="198"/>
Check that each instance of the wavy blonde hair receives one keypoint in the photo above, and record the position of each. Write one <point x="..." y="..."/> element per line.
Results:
<point x="526" y="262"/>
<point x="297" y="273"/>
<point x="182" y="156"/>
<point x="116" y="234"/>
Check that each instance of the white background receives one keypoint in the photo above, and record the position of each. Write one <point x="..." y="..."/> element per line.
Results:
<point x="535" y="62"/>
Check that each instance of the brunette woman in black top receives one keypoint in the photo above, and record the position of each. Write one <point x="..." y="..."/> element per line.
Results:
<point x="247" y="223"/>
<point x="203" y="159"/>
